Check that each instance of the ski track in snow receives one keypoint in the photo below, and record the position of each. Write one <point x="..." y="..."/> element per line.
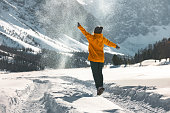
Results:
<point x="29" y="100"/>
<point x="57" y="94"/>
<point x="33" y="103"/>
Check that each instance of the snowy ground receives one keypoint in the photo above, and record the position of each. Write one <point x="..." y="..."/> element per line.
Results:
<point x="132" y="89"/>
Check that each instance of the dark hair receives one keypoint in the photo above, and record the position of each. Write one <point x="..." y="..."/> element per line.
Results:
<point x="98" y="30"/>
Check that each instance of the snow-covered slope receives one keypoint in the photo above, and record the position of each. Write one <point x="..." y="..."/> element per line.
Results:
<point x="15" y="36"/>
<point x="18" y="30"/>
<point x="72" y="43"/>
<point x="135" y="43"/>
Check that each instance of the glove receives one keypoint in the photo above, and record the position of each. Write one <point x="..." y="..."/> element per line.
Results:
<point x="117" y="47"/>
<point x="78" y="24"/>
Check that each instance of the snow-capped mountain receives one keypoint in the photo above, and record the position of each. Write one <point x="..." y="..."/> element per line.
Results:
<point x="41" y="24"/>
<point x="53" y="24"/>
<point x="19" y="28"/>
<point x="17" y="37"/>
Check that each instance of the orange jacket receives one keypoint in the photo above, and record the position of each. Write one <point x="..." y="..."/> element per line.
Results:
<point x="96" y="45"/>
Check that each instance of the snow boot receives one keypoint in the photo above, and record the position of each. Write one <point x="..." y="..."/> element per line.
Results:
<point x="100" y="90"/>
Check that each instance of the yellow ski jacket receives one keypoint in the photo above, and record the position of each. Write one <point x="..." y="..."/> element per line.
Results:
<point x="96" y="45"/>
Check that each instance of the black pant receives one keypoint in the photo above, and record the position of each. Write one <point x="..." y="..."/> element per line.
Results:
<point x="97" y="73"/>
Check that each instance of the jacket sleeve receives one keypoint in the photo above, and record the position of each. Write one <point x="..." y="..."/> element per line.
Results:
<point x="109" y="43"/>
<point x="85" y="33"/>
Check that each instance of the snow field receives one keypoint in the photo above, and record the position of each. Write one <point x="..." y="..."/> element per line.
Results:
<point x="127" y="90"/>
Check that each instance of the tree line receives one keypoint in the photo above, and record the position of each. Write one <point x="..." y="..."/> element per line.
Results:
<point x="25" y="59"/>
<point x="18" y="60"/>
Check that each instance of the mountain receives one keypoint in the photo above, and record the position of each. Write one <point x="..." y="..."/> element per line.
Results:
<point x="133" y="24"/>
<point x="17" y="37"/>
<point x="21" y="27"/>
<point x="47" y="24"/>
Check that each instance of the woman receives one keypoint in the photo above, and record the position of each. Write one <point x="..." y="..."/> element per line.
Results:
<point x="96" y="54"/>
